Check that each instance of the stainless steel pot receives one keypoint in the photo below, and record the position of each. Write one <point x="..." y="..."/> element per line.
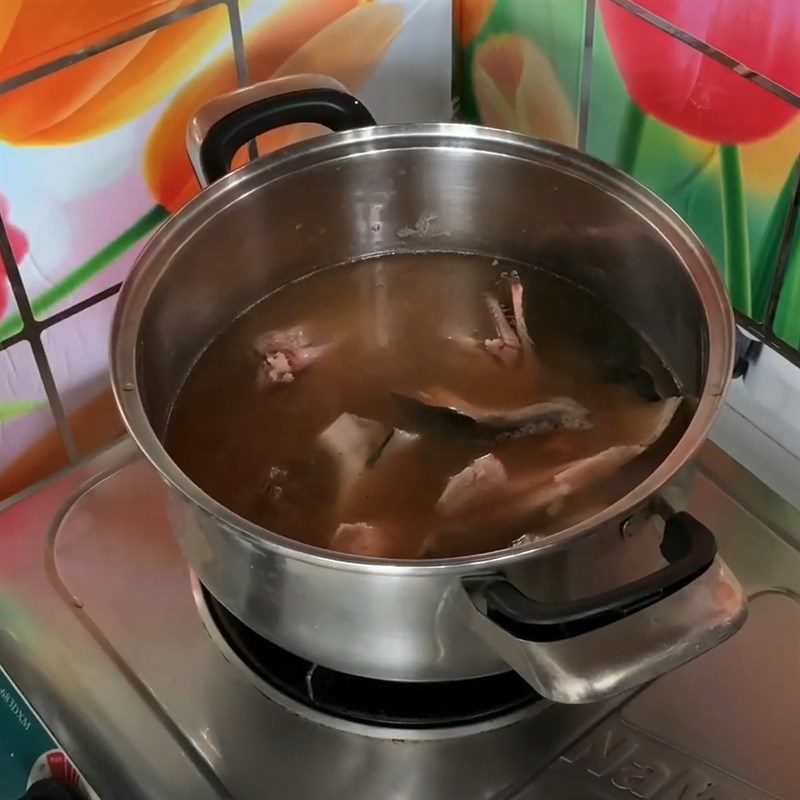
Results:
<point x="398" y="188"/>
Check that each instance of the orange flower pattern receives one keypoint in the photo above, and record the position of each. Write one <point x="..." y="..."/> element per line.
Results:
<point x="472" y="16"/>
<point x="103" y="92"/>
<point x="100" y="94"/>
<point x="339" y="38"/>
<point x="35" y="32"/>
<point x="517" y="88"/>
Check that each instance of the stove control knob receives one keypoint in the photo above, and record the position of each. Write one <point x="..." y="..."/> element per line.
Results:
<point x="52" y="789"/>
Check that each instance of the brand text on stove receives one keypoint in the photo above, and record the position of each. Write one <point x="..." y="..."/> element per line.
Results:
<point x="15" y="708"/>
<point x="625" y="763"/>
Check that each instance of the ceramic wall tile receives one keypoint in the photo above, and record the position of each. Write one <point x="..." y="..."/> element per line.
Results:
<point x="30" y="447"/>
<point x="79" y="164"/>
<point x="719" y="149"/>
<point x="75" y="349"/>
<point x="521" y="65"/>
<point x="36" y="33"/>
<point x="93" y="159"/>
<point x="759" y="33"/>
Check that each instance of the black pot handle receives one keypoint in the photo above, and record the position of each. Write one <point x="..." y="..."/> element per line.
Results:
<point x="688" y="546"/>
<point x="221" y="127"/>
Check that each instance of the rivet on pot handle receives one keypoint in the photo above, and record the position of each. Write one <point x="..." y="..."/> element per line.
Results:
<point x="226" y="123"/>
<point x="580" y="651"/>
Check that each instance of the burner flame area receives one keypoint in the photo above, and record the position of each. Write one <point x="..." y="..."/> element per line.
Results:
<point x="334" y="698"/>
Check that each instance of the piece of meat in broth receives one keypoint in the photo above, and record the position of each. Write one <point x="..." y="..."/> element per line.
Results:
<point x="354" y="443"/>
<point x="360" y="539"/>
<point x="477" y="483"/>
<point x="284" y="353"/>
<point x="506" y="346"/>
<point x="396" y="442"/>
<point x="549" y="415"/>
<point x="585" y="472"/>
<point x="524" y="496"/>
<point x="513" y="342"/>
<point x="371" y="539"/>
<point x="526" y="343"/>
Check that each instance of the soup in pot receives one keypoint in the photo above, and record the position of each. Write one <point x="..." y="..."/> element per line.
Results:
<point x="424" y="406"/>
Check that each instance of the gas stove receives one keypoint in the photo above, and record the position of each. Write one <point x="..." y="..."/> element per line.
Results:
<point x="123" y="677"/>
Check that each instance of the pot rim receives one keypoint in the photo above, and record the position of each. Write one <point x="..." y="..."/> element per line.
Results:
<point x="154" y="259"/>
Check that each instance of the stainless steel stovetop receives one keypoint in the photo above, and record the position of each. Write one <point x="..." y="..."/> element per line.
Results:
<point x="102" y="634"/>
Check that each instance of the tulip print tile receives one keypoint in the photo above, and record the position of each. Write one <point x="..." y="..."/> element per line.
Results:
<point x="93" y="158"/>
<point x="521" y="65"/>
<point x="94" y="178"/>
<point x="348" y="40"/>
<point x="36" y="33"/>
<point x="30" y="448"/>
<point x="758" y="33"/>
<point x="74" y="149"/>
<point x="77" y="350"/>
<point x="694" y="94"/>
<point x="719" y="149"/>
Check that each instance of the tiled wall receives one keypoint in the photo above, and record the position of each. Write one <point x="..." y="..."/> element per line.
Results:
<point x="697" y="99"/>
<point x="95" y="96"/>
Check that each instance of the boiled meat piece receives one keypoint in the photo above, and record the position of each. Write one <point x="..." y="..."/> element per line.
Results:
<point x="521" y="498"/>
<point x="354" y="443"/>
<point x="586" y="472"/>
<point x="284" y="353"/>
<point x="649" y="420"/>
<point x="483" y="479"/>
<point x="367" y="539"/>
<point x="571" y="515"/>
<point x="580" y="474"/>
<point x="358" y="445"/>
<point x="501" y="503"/>
<point x="360" y="539"/>
<point x="396" y="441"/>
<point x="525" y="340"/>
<point x="507" y="346"/>
<point x="544" y="417"/>
<point x="482" y="501"/>
<point x="512" y="341"/>
<point x="512" y="344"/>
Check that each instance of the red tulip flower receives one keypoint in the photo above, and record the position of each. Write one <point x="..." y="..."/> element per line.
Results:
<point x="671" y="81"/>
<point x="19" y="246"/>
<point x="679" y="86"/>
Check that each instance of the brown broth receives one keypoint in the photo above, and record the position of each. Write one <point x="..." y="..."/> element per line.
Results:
<point x="394" y="318"/>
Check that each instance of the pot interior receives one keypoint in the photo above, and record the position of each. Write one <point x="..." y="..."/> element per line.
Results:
<point x="425" y="188"/>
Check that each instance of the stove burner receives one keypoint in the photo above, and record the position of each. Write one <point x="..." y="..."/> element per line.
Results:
<point x="386" y="703"/>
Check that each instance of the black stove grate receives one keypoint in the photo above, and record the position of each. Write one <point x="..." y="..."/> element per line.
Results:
<point x="375" y="702"/>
